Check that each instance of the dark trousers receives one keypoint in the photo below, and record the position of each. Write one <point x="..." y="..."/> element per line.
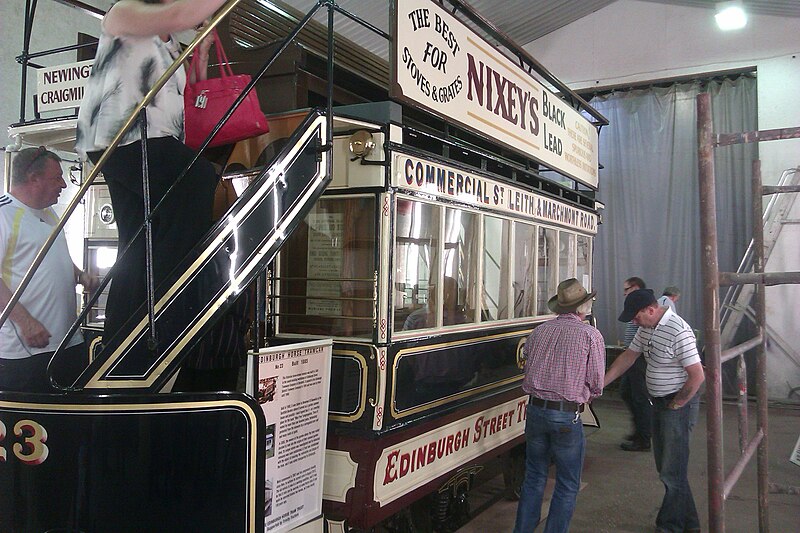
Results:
<point x="180" y="223"/>
<point x="30" y="374"/>
<point x="633" y="389"/>
<point x="672" y="431"/>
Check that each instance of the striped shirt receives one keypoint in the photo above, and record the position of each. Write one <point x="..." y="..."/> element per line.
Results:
<point x="565" y="360"/>
<point x="668" y="348"/>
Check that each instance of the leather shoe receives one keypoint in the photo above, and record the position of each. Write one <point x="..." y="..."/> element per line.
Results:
<point x="638" y="445"/>
<point x="632" y="436"/>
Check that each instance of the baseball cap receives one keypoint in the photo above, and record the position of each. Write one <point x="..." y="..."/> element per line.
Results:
<point x="635" y="302"/>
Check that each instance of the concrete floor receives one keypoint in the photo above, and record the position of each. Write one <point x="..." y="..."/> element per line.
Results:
<point x="621" y="491"/>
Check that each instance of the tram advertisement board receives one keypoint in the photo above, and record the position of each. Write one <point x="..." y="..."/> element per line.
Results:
<point x="443" y="65"/>
<point x="469" y="187"/>
<point x="410" y="464"/>
<point x="292" y="386"/>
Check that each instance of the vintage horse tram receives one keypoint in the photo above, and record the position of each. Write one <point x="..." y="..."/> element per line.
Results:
<point x="404" y="241"/>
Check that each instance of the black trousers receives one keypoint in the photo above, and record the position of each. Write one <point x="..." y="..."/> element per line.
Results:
<point x="30" y="374"/>
<point x="633" y="390"/>
<point x="180" y="223"/>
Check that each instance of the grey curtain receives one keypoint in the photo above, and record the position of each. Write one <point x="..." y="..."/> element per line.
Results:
<point x="650" y="188"/>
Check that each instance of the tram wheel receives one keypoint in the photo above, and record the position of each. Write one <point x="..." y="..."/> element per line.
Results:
<point x="414" y="519"/>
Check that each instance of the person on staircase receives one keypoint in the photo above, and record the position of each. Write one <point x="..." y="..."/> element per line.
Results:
<point x="136" y="46"/>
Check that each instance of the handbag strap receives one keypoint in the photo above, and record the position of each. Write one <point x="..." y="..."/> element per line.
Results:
<point x="222" y="59"/>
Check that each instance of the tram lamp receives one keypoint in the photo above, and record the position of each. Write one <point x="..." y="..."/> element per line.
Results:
<point x="361" y="144"/>
<point x="730" y="16"/>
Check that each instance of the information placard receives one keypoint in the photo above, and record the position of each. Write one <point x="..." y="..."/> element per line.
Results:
<point x="293" y="383"/>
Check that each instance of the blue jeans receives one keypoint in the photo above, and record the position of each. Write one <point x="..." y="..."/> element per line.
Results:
<point x="671" y="433"/>
<point x="551" y="436"/>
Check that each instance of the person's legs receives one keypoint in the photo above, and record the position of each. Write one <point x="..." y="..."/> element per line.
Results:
<point x="122" y="172"/>
<point x="179" y="224"/>
<point x="672" y="430"/>
<point x="537" y="462"/>
<point x="640" y="400"/>
<point x="25" y="375"/>
<point x="567" y="450"/>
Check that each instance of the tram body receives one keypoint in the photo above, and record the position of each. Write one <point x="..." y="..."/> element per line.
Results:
<point x="427" y="261"/>
<point x="428" y="274"/>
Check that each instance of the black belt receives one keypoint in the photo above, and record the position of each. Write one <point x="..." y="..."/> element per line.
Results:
<point x="665" y="399"/>
<point x="557" y="405"/>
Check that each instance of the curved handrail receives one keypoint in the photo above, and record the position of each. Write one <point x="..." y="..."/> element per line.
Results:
<point x="222" y="13"/>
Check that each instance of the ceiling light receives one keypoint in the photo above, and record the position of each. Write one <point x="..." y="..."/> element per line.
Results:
<point x="730" y="16"/>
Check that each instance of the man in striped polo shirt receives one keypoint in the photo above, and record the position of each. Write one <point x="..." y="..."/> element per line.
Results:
<point x="674" y="375"/>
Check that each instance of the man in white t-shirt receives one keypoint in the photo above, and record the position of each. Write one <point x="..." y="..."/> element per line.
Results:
<point x="47" y="308"/>
<point x="670" y="297"/>
<point x="674" y="375"/>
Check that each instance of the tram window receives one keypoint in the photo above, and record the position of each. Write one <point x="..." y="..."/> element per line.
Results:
<point x="566" y="255"/>
<point x="450" y="371"/>
<point x="524" y="270"/>
<point x="327" y="268"/>
<point x="416" y="260"/>
<point x="494" y="300"/>
<point x="583" y="271"/>
<point x="459" y="263"/>
<point x="547" y="274"/>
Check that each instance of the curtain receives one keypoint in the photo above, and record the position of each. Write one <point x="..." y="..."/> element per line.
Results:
<point x="649" y="185"/>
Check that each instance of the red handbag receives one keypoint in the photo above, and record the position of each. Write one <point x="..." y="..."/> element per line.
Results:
<point x="205" y="102"/>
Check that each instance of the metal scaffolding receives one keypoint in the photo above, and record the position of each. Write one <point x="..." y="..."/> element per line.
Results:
<point x="720" y="484"/>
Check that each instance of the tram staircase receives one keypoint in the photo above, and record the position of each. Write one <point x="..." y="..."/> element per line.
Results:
<point x="233" y="253"/>
<point x="148" y="350"/>
<point x="736" y="304"/>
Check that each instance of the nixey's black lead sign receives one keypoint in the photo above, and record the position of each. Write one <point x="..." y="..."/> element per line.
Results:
<point x="442" y="65"/>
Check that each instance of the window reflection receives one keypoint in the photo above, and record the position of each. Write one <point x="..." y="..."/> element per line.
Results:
<point x="416" y="262"/>
<point x="327" y="268"/>
<point x="524" y="269"/>
<point x="494" y="299"/>
<point x="460" y="265"/>
<point x="583" y="269"/>
<point x="566" y="255"/>
<point x="547" y="275"/>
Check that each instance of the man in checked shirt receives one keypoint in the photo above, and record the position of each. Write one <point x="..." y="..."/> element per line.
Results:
<point x="564" y="366"/>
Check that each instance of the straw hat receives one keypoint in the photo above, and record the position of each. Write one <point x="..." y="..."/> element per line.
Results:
<point x="570" y="296"/>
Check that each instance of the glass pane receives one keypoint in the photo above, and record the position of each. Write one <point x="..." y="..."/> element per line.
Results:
<point x="524" y="269"/>
<point x="327" y="268"/>
<point x="566" y="255"/>
<point x="460" y="265"/>
<point x="494" y="300"/>
<point x="416" y="260"/>
<point x="583" y="272"/>
<point x="547" y="277"/>
<point x="454" y="371"/>
<point x="345" y="395"/>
